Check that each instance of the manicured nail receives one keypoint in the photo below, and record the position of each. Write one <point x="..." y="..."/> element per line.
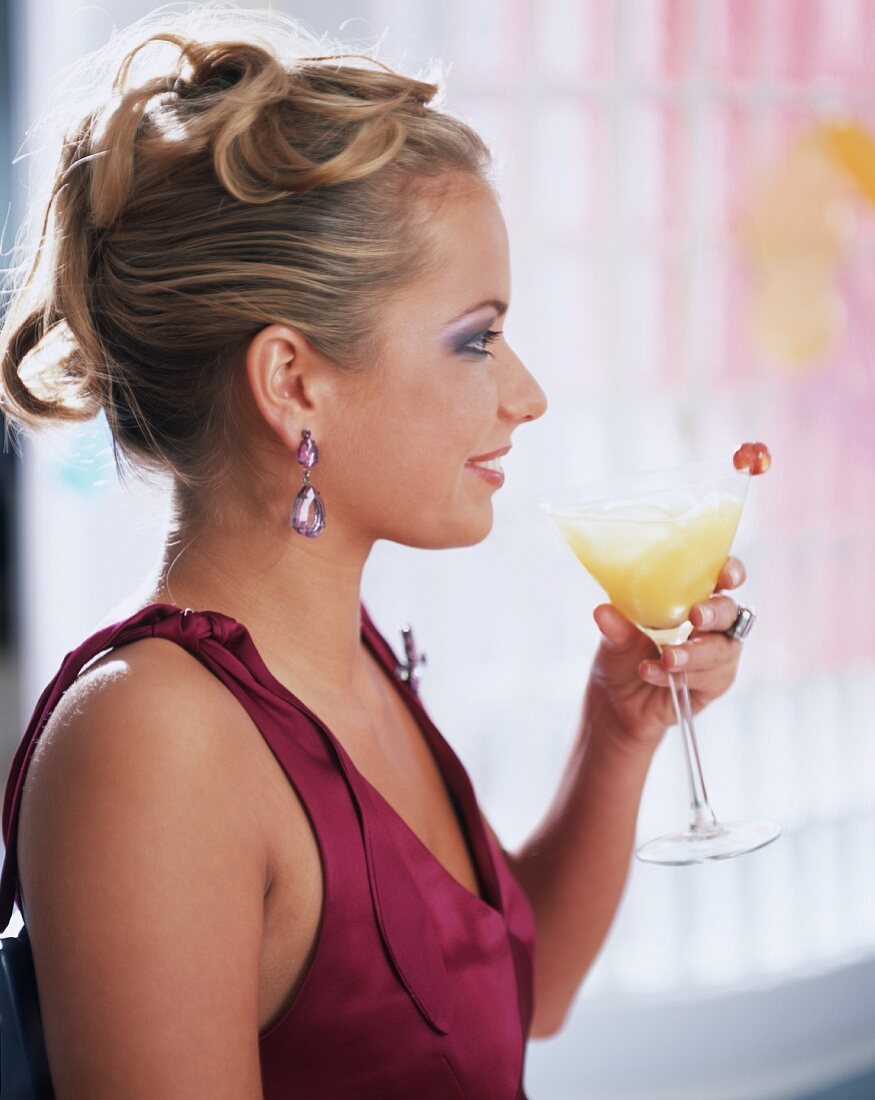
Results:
<point x="704" y="616"/>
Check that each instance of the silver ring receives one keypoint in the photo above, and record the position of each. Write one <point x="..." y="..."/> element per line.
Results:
<point x="743" y="624"/>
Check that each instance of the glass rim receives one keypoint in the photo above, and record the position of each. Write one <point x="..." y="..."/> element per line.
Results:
<point x="700" y="473"/>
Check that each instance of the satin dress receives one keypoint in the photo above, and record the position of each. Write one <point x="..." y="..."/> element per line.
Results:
<point x="418" y="989"/>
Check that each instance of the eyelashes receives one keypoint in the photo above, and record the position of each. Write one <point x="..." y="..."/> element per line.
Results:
<point x="484" y="338"/>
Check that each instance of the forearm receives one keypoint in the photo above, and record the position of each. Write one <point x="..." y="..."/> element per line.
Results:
<point x="575" y="864"/>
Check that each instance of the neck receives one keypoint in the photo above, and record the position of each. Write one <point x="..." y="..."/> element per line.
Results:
<point x="299" y="598"/>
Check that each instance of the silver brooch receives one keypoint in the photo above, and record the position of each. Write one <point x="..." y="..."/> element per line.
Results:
<point x="409" y="670"/>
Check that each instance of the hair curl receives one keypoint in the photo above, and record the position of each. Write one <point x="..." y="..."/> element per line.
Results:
<point x="247" y="183"/>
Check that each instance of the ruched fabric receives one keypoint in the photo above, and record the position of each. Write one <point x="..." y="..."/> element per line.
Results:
<point x="418" y="988"/>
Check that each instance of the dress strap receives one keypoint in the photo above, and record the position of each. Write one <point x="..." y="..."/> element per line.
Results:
<point x="457" y="778"/>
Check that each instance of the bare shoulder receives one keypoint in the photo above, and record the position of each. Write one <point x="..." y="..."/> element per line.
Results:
<point x="145" y="705"/>
<point x="153" y="670"/>
<point x="148" y="708"/>
<point x="143" y="873"/>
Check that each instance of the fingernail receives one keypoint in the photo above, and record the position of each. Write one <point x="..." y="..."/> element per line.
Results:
<point x="675" y="658"/>
<point x="704" y="616"/>
<point x="648" y="670"/>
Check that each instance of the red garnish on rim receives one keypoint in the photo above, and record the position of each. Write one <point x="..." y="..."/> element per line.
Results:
<point x="755" y="457"/>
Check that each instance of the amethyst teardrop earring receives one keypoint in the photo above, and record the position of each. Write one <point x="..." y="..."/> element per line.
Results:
<point x="308" y="456"/>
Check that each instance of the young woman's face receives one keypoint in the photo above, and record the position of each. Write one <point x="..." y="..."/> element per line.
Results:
<point x="444" y="392"/>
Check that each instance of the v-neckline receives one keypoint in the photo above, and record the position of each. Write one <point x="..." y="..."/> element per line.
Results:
<point x="464" y="808"/>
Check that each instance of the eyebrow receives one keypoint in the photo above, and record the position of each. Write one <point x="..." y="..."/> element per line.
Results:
<point x="496" y="303"/>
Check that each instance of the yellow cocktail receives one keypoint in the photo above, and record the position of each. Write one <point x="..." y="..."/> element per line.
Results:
<point x="655" y="560"/>
<point x="656" y="543"/>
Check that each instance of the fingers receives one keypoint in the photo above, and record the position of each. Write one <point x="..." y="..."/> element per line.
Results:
<point x="699" y="656"/>
<point x="716" y="614"/>
<point x="732" y="574"/>
<point x="653" y="673"/>
<point x="618" y="634"/>
<point x="708" y="652"/>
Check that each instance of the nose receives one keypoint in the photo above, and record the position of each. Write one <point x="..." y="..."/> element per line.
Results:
<point x="522" y="397"/>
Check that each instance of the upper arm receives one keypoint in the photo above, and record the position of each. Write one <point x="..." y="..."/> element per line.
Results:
<point x="143" y="877"/>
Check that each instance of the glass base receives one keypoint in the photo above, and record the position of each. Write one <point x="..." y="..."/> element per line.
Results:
<point x="720" y="842"/>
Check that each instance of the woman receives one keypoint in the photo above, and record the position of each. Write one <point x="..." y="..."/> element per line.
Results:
<point x="249" y="863"/>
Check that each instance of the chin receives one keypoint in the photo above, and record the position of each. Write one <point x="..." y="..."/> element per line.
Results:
<point x="472" y="533"/>
<point x="451" y="536"/>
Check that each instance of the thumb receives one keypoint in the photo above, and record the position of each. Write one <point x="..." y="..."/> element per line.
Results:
<point x="618" y="634"/>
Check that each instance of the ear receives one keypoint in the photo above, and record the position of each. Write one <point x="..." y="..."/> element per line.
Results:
<point x="287" y="378"/>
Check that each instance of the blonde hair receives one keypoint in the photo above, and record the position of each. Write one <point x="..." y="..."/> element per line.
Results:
<point x="257" y="179"/>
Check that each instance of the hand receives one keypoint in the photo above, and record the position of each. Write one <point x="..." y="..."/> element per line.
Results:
<point x="628" y="685"/>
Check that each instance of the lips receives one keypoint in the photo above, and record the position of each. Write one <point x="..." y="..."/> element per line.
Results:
<point x="492" y="454"/>
<point x="488" y="466"/>
<point x="493" y="476"/>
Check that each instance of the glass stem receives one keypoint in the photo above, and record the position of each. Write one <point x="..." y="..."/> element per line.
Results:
<point x="704" y="820"/>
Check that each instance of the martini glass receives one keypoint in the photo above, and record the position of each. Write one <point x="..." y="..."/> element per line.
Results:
<point x="656" y="543"/>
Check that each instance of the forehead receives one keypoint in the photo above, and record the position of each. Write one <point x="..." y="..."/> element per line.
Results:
<point x="470" y="240"/>
<point x="468" y="247"/>
<point x="473" y="211"/>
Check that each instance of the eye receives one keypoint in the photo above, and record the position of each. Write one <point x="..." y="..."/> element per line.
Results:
<point x="483" y="338"/>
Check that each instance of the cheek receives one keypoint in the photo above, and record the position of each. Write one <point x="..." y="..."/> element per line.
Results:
<point x="445" y="437"/>
<point x="448" y="416"/>
<point x="414" y="433"/>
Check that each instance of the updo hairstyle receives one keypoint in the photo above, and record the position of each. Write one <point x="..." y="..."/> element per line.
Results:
<point x="254" y="179"/>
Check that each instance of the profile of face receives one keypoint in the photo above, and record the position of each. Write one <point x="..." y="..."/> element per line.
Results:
<point x="394" y="442"/>
<point x="445" y="392"/>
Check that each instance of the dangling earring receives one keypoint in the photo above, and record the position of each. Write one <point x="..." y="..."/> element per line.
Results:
<point x="308" y="456"/>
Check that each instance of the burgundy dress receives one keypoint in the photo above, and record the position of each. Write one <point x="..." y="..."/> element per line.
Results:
<point x="418" y="988"/>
